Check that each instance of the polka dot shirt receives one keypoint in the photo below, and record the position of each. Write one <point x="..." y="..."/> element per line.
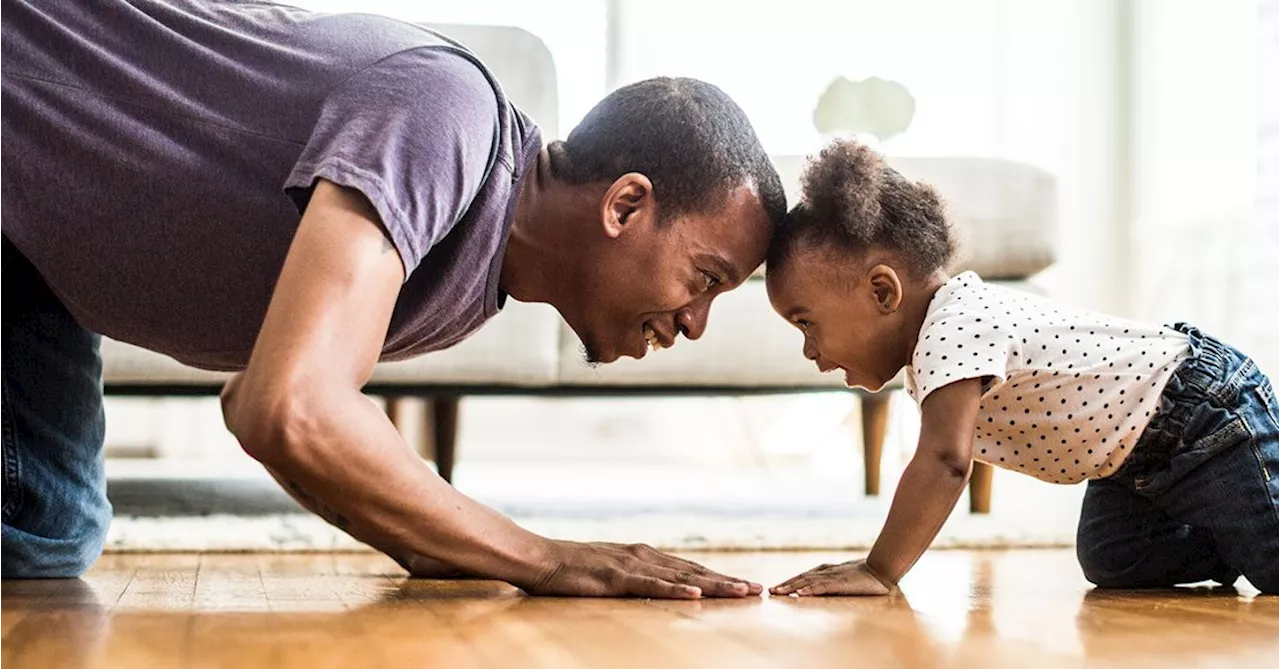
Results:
<point x="1066" y="392"/>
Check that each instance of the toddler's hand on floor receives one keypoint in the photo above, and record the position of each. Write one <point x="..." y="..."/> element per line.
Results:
<point x="849" y="578"/>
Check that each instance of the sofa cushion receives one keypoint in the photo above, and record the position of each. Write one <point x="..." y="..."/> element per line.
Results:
<point x="518" y="347"/>
<point x="128" y="365"/>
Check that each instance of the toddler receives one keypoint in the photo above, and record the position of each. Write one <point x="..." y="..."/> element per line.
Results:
<point x="1174" y="431"/>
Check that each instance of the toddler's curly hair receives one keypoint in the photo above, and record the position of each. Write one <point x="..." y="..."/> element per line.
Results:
<point x="852" y="202"/>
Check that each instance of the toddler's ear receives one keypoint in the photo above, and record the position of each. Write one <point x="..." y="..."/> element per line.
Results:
<point x="886" y="288"/>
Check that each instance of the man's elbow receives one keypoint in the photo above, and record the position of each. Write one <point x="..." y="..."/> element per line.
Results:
<point x="272" y="426"/>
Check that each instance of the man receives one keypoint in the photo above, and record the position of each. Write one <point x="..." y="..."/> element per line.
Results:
<point x="298" y="196"/>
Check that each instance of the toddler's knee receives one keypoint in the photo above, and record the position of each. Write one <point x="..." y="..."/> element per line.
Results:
<point x="1108" y="570"/>
<point x="1264" y="579"/>
<point x="1098" y="575"/>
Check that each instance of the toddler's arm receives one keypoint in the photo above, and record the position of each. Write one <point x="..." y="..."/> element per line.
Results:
<point x="929" y="489"/>
<point x="932" y="481"/>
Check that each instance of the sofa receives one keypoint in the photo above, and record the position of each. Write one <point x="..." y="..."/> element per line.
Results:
<point x="1005" y="211"/>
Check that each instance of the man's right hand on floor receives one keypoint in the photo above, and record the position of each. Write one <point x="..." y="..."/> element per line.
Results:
<point x="630" y="570"/>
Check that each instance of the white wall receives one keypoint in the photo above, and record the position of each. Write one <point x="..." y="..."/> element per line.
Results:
<point x="776" y="58"/>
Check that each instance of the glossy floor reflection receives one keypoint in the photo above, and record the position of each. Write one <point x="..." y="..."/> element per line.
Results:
<point x="962" y="609"/>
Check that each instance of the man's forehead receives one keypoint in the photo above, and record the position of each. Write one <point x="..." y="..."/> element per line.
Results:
<point x="737" y="232"/>
<point x="745" y="198"/>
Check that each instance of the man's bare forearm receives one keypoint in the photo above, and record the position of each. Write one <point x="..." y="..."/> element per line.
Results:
<point x="416" y="565"/>
<point x="315" y="505"/>
<point x="351" y="467"/>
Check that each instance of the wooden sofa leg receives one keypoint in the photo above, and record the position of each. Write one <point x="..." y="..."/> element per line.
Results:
<point x="395" y="410"/>
<point x="980" y="488"/>
<point x="875" y="418"/>
<point x="398" y="407"/>
<point x="444" y="429"/>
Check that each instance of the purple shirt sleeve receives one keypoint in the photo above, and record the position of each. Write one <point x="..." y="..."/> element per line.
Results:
<point x="415" y="133"/>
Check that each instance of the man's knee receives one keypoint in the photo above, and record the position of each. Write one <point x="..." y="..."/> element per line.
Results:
<point x="83" y="551"/>
<point x="28" y="555"/>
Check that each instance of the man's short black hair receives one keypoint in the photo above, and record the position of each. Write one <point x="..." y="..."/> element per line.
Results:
<point x="687" y="136"/>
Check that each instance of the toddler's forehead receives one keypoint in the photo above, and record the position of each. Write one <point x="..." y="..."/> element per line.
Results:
<point x="831" y="261"/>
<point x="805" y="277"/>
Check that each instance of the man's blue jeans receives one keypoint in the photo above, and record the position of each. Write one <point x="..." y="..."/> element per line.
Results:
<point x="55" y="507"/>
<point x="1197" y="498"/>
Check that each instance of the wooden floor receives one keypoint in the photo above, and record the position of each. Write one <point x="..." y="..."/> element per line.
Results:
<point x="1026" y="609"/>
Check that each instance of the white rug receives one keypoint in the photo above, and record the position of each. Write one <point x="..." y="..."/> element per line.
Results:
<point x="296" y="532"/>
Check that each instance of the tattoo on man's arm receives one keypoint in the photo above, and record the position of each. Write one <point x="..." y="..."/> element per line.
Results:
<point x="316" y="506"/>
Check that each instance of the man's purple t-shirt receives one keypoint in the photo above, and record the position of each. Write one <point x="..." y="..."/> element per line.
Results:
<point x="157" y="157"/>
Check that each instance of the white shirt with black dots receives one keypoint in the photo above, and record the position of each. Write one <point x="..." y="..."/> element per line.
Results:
<point x="1066" y="392"/>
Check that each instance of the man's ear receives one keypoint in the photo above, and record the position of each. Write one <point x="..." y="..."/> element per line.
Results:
<point x="628" y="201"/>
<point x="886" y="288"/>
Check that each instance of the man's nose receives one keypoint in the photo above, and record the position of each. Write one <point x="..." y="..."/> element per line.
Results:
<point x="692" y="320"/>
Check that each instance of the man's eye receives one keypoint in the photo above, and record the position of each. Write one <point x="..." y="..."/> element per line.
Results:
<point x="711" y="280"/>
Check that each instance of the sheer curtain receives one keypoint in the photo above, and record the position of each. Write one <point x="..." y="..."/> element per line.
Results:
<point x="1204" y="229"/>
<point x="1264" y="289"/>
